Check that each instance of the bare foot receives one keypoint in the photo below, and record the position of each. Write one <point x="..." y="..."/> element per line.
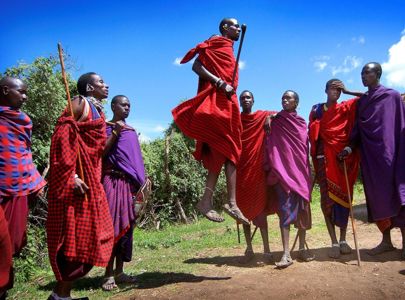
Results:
<point x="235" y="213"/>
<point x="209" y="213"/>
<point x="381" y="248"/>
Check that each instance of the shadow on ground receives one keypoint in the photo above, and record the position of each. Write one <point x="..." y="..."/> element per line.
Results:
<point x="321" y="255"/>
<point x="147" y="280"/>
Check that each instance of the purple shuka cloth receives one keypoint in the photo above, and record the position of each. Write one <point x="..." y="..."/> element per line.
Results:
<point x="380" y="132"/>
<point x="287" y="154"/>
<point x="126" y="155"/>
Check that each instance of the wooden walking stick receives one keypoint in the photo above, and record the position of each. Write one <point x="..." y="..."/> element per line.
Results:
<point x="62" y="66"/>
<point x="351" y="214"/>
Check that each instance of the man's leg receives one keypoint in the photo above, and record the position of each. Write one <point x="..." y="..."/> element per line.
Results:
<point x="120" y="276"/>
<point x="304" y="254"/>
<point x="232" y="208"/>
<point x="109" y="281"/>
<point x="344" y="246"/>
<point x="403" y="243"/>
<point x="205" y="204"/>
<point x="286" y="259"/>
<point x="384" y="246"/>
<point x="334" y="251"/>
<point x="268" y="257"/>
<point x="249" y="254"/>
<point x="62" y="289"/>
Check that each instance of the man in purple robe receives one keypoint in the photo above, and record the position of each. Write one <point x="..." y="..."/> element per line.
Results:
<point x="123" y="175"/>
<point x="379" y="132"/>
<point x="287" y="155"/>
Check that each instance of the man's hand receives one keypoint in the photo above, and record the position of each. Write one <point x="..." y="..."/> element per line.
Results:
<point x="267" y="122"/>
<point x="339" y="85"/>
<point x="118" y="127"/>
<point x="344" y="153"/>
<point x="80" y="188"/>
<point x="227" y="88"/>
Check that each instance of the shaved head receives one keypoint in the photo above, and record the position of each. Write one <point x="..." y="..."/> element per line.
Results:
<point x="13" y="92"/>
<point x="10" y="81"/>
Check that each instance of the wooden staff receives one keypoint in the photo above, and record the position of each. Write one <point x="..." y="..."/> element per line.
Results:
<point x="351" y="214"/>
<point x="62" y="66"/>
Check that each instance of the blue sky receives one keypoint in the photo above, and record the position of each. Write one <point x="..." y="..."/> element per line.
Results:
<point x="134" y="45"/>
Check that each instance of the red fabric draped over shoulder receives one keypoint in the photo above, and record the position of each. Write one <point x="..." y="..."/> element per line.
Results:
<point x="334" y="128"/>
<point x="81" y="229"/>
<point x="251" y="187"/>
<point x="210" y="118"/>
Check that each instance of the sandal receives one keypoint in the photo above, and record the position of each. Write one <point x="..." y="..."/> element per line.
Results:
<point x="345" y="248"/>
<point x="210" y="214"/>
<point x="125" y="278"/>
<point x="236" y="214"/>
<point x="268" y="257"/>
<point x="285" y="261"/>
<point x="334" y="252"/>
<point x="305" y="255"/>
<point x="249" y="255"/>
<point x="381" y="248"/>
<point x="109" y="284"/>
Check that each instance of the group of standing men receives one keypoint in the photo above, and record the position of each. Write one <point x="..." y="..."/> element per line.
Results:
<point x="266" y="153"/>
<point x="96" y="170"/>
<point x="97" y="166"/>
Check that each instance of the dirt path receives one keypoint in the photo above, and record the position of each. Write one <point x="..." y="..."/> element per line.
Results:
<point x="223" y="277"/>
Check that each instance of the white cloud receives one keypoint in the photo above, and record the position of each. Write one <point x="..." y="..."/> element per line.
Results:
<point x="360" y="39"/>
<point x="320" y="62"/>
<point x="394" y="68"/>
<point x="242" y="65"/>
<point x="177" y="61"/>
<point x="320" y="65"/>
<point x="144" y="138"/>
<point x="349" y="64"/>
<point x="158" y="128"/>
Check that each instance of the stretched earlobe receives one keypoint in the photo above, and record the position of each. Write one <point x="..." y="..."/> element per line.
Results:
<point x="89" y="88"/>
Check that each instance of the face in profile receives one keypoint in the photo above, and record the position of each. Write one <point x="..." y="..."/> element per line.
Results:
<point x="233" y="30"/>
<point x="15" y="93"/>
<point x="100" y="88"/>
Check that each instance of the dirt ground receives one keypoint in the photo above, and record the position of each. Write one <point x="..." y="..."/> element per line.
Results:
<point x="223" y="277"/>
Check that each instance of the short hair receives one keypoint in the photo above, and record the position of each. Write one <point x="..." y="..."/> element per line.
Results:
<point x="83" y="81"/>
<point x="329" y="82"/>
<point x="377" y="68"/>
<point x="116" y="98"/>
<point x="296" y="97"/>
<point x="247" y="91"/>
<point x="225" y="21"/>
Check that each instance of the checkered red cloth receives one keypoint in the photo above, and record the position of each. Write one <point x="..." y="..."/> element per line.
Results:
<point x="18" y="175"/>
<point x="82" y="229"/>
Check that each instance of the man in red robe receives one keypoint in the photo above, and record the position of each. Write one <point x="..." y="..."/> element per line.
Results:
<point x="330" y="125"/>
<point x="251" y="187"/>
<point x="79" y="227"/>
<point x="19" y="178"/>
<point x="212" y="118"/>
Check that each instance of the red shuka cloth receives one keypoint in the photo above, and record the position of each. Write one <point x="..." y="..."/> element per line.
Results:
<point x="6" y="253"/>
<point x="251" y="186"/>
<point x="81" y="229"/>
<point x="210" y="118"/>
<point x="334" y="128"/>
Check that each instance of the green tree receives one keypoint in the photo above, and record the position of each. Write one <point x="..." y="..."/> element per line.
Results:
<point x="46" y="101"/>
